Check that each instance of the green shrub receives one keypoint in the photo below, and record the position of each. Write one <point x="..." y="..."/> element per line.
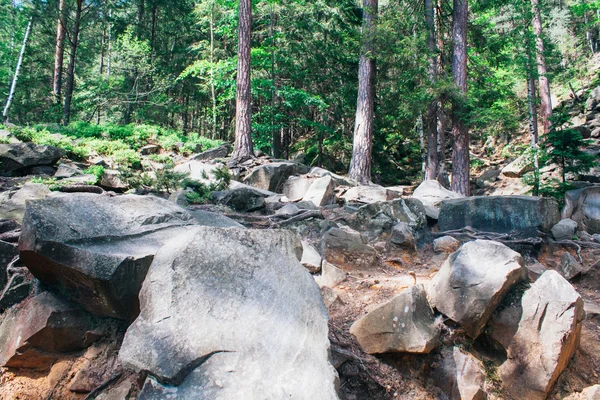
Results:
<point x="97" y="171"/>
<point x="127" y="157"/>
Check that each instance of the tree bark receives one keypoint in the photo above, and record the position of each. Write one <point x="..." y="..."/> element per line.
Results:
<point x="70" y="85"/>
<point x="460" y="133"/>
<point x="533" y="123"/>
<point x="243" y="148"/>
<point x="360" y="165"/>
<point x="544" y="83"/>
<point x="13" y="85"/>
<point x="59" y="52"/>
<point x="431" y="169"/>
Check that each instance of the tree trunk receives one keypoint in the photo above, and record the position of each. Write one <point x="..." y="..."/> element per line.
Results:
<point x="533" y="123"/>
<point x="13" y="85"/>
<point x="545" y="100"/>
<point x="460" y="133"/>
<point x="360" y="165"/>
<point x="212" y="71"/>
<point x="59" y="52"/>
<point x="71" y="68"/>
<point x="243" y="111"/>
<point x="432" y="132"/>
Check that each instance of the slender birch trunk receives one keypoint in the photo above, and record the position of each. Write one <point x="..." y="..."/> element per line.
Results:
<point x="13" y="85"/>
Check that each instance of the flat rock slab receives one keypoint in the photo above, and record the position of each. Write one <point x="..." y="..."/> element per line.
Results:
<point x="35" y="331"/>
<point x="347" y="249"/>
<point x="547" y="337"/>
<point x="522" y="215"/>
<point x="405" y="324"/>
<point x="97" y="249"/>
<point x="431" y="194"/>
<point x="473" y="281"/>
<point x="16" y="157"/>
<point x="231" y="314"/>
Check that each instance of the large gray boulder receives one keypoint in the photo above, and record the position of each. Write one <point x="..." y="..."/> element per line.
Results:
<point x="231" y="314"/>
<point x="518" y="167"/>
<point x="295" y="187"/>
<point x="97" y="249"/>
<point x="16" y="157"/>
<point x="198" y="170"/>
<point x="218" y="152"/>
<point x="369" y="194"/>
<point x="473" y="281"/>
<point x="321" y="192"/>
<point x="565" y="229"/>
<point x="405" y="324"/>
<point x="522" y="215"/>
<point x="431" y="194"/>
<point x="272" y="176"/>
<point x="461" y="376"/>
<point x="33" y="333"/>
<point x="348" y="249"/>
<point x="377" y="218"/>
<point x="547" y="337"/>
<point x="14" y="208"/>
<point x="583" y="206"/>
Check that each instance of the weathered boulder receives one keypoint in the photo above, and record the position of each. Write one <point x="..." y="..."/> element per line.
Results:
<point x="523" y="215"/>
<point x="504" y="324"/>
<point x="295" y="187"/>
<point x="535" y="269"/>
<point x="311" y="259"/>
<point x="14" y="208"/>
<point x="16" y="157"/>
<point x="208" y="218"/>
<point x="243" y="199"/>
<point x="377" y="218"/>
<point x="218" y="152"/>
<point x="487" y="178"/>
<point x="473" y="281"/>
<point x="548" y="336"/>
<point x="230" y="314"/>
<point x="402" y="235"/>
<point x="431" y="194"/>
<point x="461" y="376"/>
<point x="589" y="393"/>
<point x="338" y="179"/>
<point x="67" y="170"/>
<point x="570" y="267"/>
<point x="518" y="167"/>
<point x="565" y="229"/>
<point x="445" y="244"/>
<point x="111" y="180"/>
<point x="97" y="249"/>
<point x="347" y="249"/>
<point x="369" y="194"/>
<point x="321" y="192"/>
<point x="405" y="324"/>
<point x="583" y="206"/>
<point x="198" y="170"/>
<point x="33" y="333"/>
<point x="331" y="276"/>
<point x="272" y="176"/>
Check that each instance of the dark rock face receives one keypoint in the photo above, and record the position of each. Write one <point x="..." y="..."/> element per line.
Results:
<point x="244" y="199"/>
<point x="583" y="206"/>
<point x="19" y="156"/>
<point x="218" y="152"/>
<point x="33" y="332"/>
<point x="8" y="251"/>
<point x="503" y="214"/>
<point x="231" y="314"/>
<point x="95" y="249"/>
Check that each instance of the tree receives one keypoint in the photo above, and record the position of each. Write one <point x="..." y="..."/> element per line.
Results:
<point x="13" y="85"/>
<point x="431" y="171"/>
<point x="544" y="83"/>
<point x="360" y="165"/>
<point x="243" y="147"/>
<point x="460" y="133"/>
<point x="72" y="59"/>
<point x="59" y="52"/>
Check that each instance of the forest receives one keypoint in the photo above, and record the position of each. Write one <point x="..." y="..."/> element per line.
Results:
<point x="331" y="81"/>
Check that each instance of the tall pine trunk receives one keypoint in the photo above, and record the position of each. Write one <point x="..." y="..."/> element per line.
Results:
<point x="13" y="85"/>
<point x="545" y="100"/>
<point x="432" y="167"/>
<point x="533" y="123"/>
<point x="360" y="165"/>
<point x="243" y="148"/>
<point x="59" y="52"/>
<point x="70" y="84"/>
<point x="460" y="133"/>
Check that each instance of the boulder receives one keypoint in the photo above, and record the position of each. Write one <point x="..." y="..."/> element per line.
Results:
<point x="487" y="178"/>
<point x="473" y="281"/>
<point x="311" y="259"/>
<point x="244" y="199"/>
<point x="111" y="180"/>
<point x="377" y="218"/>
<point x="583" y="206"/>
<point x="208" y="218"/>
<point x="405" y="324"/>
<point x="461" y="376"/>
<point x="16" y="290"/>
<point x="535" y="269"/>
<point x="149" y="149"/>
<point x="231" y="314"/>
<point x="522" y="215"/>
<point x="338" y="179"/>
<point x="67" y="170"/>
<point x="97" y="249"/>
<point x="272" y="176"/>
<point x="570" y="267"/>
<point x="8" y="252"/>
<point x="565" y="229"/>
<point x="505" y="323"/>
<point x="402" y="236"/>
<point x="589" y="393"/>
<point x="445" y="244"/>
<point x="369" y="194"/>
<point x="431" y="194"/>
<point x="547" y="337"/>
<point x="14" y="208"/>
<point x="198" y="171"/>
<point x="218" y="152"/>
<point x="321" y="192"/>
<point x="348" y="249"/>
<point x="288" y="210"/>
<point x="33" y="333"/>
<point x="518" y="167"/>
<point x="296" y="187"/>
<point x="16" y="157"/>
<point x="331" y="276"/>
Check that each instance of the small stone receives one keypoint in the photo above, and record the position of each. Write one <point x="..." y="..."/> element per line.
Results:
<point x="311" y="259"/>
<point x="331" y="276"/>
<point x="445" y="244"/>
<point x="402" y="236"/>
<point x="565" y="229"/>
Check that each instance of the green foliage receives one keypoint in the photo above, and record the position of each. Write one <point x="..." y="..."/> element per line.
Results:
<point x="168" y="180"/>
<point x="96" y="170"/>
